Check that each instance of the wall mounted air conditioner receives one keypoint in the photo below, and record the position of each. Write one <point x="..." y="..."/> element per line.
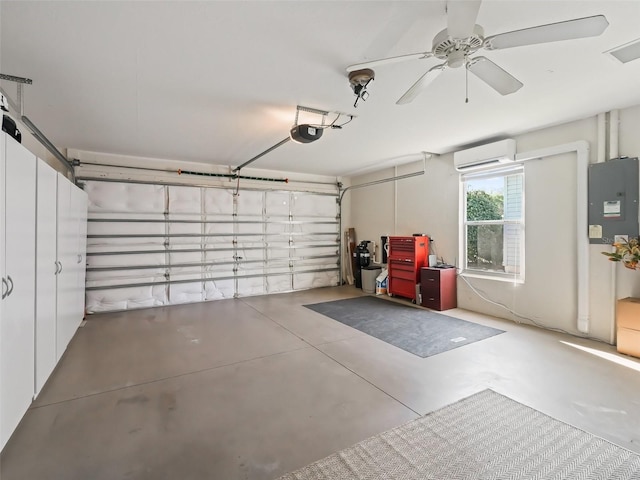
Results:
<point x="485" y="156"/>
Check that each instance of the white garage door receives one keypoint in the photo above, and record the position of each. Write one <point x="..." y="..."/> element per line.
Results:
<point x="152" y="245"/>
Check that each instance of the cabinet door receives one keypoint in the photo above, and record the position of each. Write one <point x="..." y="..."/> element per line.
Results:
<point x="67" y="259"/>
<point x="46" y="268"/>
<point x="3" y="285"/>
<point x="80" y="202"/>
<point x="17" y="330"/>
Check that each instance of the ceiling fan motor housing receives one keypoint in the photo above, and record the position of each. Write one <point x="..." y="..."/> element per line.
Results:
<point x="455" y="50"/>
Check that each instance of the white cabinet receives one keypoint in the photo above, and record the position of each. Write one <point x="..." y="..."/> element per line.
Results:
<point x="65" y="323"/>
<point x="80" y="205"/>
<point x="4" y="286"/>
<point x="17" y="330"/>
<point x="60" y="252"/>
<point x="42" y="268"/>
<point x="46" y="274"/>
<point x="71" y="249"/>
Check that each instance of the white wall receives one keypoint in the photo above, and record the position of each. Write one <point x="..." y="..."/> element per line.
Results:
<point x="423" y="204"/>
<point x="627" y="281"/>
<point x="430" y="204"/>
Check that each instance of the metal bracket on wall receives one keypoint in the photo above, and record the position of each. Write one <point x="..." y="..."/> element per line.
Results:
<point x="18" y="110"/>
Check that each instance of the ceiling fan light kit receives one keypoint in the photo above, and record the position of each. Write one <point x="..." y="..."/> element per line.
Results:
<point x="463" y="37"/>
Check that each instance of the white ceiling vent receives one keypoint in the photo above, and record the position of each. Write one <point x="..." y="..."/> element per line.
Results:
<point x="627" y="52"/>
<point x="485" y="156"/>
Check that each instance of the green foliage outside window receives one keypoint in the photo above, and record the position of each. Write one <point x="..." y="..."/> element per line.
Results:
<point x="484" y="206"/>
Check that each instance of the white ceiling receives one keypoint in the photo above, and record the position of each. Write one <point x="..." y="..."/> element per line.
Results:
<point x="218" y="82"/>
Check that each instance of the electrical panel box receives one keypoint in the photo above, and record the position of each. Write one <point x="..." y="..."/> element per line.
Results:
<point x="613" y="200"/>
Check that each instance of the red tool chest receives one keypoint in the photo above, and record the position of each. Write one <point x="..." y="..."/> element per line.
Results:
<point x="407" y="255"/>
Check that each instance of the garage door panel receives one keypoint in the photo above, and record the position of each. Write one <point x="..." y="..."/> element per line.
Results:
<point x="206" y="244"/>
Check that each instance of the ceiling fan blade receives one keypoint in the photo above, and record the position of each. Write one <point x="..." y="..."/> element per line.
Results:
<point x="421" y="84"/>
<point x="627" y="52"/>
<point x="552" y="32"/>
<point x="461" y="17"/>
<point x="501" y="81"/>
<point x="388" y="61"/>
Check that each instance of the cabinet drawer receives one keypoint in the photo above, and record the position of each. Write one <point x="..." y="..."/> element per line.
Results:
<point x="432" y="302"/>
<point x="429" y="282"/>
<point x="401" y="244"/>
<point x="430" y="291"/>
<point x="402" y="287"/>
<point x="402" y="270"/>
<point x="402" y="262"/>
<point x="403" y="255"/>
<point x="403" y="274"/>
<point x="430" y="274"/>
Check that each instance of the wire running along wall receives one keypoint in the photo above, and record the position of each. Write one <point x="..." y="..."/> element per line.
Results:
<point x="151" y="245"/>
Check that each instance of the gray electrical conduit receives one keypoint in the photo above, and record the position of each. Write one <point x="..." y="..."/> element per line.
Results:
<point x="370" y="184"/>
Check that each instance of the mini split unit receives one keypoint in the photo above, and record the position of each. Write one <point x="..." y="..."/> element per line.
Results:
<point x="485" y="156"/>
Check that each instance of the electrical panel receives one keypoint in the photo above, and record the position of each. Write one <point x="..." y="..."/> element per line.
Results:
<point x="613" y="200"/>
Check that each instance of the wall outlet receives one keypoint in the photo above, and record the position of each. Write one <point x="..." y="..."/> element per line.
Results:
<point x="620" y="238"/>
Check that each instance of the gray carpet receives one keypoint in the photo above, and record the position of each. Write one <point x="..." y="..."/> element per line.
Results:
<point x="418" y="331"/>
<point x="484" y="437"/>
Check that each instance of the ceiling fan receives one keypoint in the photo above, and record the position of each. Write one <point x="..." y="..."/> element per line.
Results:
<point x="462" y="38"/>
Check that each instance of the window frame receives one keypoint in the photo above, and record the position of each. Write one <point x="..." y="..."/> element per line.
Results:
<point x="464" y="224"/>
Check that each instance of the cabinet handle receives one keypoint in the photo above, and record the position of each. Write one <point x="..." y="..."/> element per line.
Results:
<point x="79" y="258"/>
<point x="56" y="264"/>
<point x="4" y="284"/>
<point x="10" y="289"/>
<point x="60" y="263"/>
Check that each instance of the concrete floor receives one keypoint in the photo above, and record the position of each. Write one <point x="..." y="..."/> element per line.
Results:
<point x="255" y="387"/>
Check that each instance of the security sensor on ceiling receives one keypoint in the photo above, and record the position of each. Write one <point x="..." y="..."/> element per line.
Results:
<point x="360" y="80"/>
<point x="305" y="133"/>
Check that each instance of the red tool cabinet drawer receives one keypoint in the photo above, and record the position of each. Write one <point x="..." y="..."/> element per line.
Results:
<point x="402" y="287"/>
<point x="406" y="256"/>
<point x="402" y="269"/>
<point x="402" y="245"/>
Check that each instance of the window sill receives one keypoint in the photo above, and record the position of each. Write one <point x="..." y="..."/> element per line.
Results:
<point x="497" y="277"/>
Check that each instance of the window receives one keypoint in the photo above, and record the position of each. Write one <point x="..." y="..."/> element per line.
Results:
<point x="493" y="225"/>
